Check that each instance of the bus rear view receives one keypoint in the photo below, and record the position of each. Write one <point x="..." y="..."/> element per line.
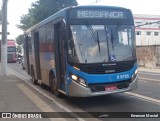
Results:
<point x="101" y="51"/>
<point x="11" y="51"/>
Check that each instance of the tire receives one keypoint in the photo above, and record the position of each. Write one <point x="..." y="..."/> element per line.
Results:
<point x="35" y="82"/>
<point x="53" y="86"/>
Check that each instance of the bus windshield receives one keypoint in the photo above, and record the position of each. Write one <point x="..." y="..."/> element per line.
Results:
<point x="101" y="43"/>
<point x="11" y="49"/>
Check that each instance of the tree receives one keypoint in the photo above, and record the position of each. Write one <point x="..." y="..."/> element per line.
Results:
<point x="19" y="39"/>
<point x="19" y="48"/>
<point x="41" y="10"/>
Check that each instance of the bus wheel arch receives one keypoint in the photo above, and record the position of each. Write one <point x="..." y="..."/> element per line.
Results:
<point x="53" y="84"/>
<point x="35" y="82"/>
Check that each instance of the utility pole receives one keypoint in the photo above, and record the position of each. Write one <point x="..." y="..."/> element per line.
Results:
<point x="4" y="71"/>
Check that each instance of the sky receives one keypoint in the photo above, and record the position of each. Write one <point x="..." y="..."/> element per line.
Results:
<point x="17" y="8"/>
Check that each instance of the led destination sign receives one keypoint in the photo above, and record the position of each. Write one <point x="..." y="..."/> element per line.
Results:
<point x="100" y="14"/>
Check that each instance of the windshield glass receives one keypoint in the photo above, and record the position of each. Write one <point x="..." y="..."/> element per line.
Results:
<point x="11" y="49"/>
<point x="100" y="43"/>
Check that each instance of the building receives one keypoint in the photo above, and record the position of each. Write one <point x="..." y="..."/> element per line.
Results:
<point x="147" y="29"/>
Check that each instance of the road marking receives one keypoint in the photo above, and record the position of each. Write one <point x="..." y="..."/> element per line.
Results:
<point x="155" y="80"/>
<point x="143" y="81"/>
<point x="157" y="101"/>
<point x="36" y="100"/>
<point x="150" y="73"/>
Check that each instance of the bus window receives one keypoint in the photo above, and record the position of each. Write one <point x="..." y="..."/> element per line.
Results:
<point x="11" y="49"/>
<point x="120" y="44"/>
<point x="100" y="43"/>
<point x="88" y="44"/>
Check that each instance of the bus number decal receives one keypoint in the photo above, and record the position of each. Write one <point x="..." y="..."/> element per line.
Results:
<point x="123" y="76"/>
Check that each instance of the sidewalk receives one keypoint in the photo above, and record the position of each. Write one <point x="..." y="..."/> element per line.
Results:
<point x="17" y="96"/>
<point x="13" y="99"/>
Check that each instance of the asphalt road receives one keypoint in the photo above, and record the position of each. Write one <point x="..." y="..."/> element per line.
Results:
<point x="145" y="99"/>
<point x="149" y="85"/>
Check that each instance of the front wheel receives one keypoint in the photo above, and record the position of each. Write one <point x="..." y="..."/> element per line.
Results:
<point x="54" y="86"/>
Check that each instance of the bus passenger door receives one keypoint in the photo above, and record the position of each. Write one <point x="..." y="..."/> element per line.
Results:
<point x="26" y="54"/>
<point x="60" y="53"/>
<point x="37" y="57"/>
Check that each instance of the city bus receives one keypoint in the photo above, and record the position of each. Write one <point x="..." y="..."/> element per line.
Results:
<point x="11" y="51"/>
<point x="83" y="51"/>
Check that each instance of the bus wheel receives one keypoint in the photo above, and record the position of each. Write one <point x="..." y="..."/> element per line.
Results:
<point x="53" y="86"/>
<point x="33" y="77"/>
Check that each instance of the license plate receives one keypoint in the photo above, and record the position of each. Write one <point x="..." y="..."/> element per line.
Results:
<point x="110" y="88"/>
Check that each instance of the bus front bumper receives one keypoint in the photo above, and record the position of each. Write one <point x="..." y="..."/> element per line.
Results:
<point x="77" y="90"/>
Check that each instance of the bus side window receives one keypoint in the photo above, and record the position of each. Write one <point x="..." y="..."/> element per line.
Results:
<point x="71" y="48"/>
<point x="71" y="44"/>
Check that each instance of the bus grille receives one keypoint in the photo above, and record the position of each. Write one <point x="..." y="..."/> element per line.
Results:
<point x="100" y="69"/>
<point x="10" y="56"/>
<point x="101" y="87"/>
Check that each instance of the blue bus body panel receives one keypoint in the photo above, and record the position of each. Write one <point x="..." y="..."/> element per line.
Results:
<point x="103" y="78"/>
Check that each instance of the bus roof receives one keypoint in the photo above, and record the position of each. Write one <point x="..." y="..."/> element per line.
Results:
<point x="98" y="6"/>
<point x="62" y="13"/>
<point x="11" y="43"/>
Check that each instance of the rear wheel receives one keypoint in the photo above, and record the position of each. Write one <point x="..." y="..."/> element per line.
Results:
<point x="54" y="86"/>
<point x="35" y="82"/>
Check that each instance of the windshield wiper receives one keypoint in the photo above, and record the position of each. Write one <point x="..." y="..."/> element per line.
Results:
<point x="95" y="35"/>
<point x="112" y="38"/>
<point x="114" y="35"/>
<point x="80" y="48"/>
<point x="98" y="42"/>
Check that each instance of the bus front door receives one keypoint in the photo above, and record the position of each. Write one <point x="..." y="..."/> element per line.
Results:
<point x="60" y="55"/>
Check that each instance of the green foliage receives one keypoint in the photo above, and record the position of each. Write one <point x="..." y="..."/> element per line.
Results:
<point x="19" y="48"/>
<point x="19" y="39"/>
<point x="42" y="9"/>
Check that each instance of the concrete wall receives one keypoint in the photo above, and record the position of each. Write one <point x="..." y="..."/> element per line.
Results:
<point x="158" y="55"/>
<point x="149" y="56"/>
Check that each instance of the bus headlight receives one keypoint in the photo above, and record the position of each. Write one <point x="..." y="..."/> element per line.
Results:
<point x="74" y="77"/>
<point x="79" y="80"/>
<point x="134" y="75"/>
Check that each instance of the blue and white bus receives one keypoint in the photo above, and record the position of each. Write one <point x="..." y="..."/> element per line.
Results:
<point x="83" y="51"/>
